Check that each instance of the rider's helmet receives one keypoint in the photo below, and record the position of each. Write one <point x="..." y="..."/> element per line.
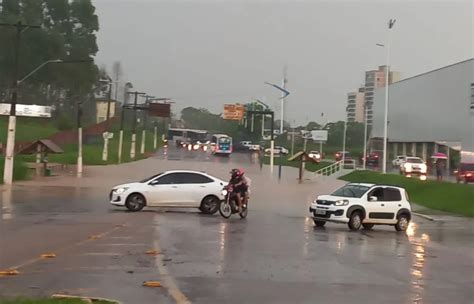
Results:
<point x="235" y="173"/>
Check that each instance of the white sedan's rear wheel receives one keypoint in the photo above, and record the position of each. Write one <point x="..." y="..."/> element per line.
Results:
<point x="209" y="205"/>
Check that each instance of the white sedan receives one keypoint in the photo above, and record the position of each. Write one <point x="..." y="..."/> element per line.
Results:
<point x="277" y="150"/>
<point x="179" y="188"/>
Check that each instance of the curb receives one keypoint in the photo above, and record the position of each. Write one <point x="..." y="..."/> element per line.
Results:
<point x="90" y="299"/>
<point x="426" y="217"/>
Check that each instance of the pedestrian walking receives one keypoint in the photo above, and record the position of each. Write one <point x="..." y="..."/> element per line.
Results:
<point x="439" y="169"/>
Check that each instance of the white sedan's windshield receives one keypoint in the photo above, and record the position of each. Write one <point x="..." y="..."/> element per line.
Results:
<point x="351" y="190"/>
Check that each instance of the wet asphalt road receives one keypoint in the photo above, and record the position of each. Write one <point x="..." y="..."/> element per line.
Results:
<point x="274" y="256"/>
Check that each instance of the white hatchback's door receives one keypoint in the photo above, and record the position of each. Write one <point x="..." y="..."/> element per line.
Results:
<point x="378" y="211"/>
<point x="392" y="200"/>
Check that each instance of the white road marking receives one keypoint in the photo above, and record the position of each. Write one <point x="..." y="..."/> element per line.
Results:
<point x="167" y="280"/>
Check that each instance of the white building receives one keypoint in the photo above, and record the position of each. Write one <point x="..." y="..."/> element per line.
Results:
<point x="428" y="113"/>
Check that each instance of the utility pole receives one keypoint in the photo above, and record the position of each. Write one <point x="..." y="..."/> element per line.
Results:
<point x="10" y="148"/>
<point x="128" y="85"/>
<point x="134" y="124"/>
<point x="145" y="116"/>
<point x="105" y="150"/>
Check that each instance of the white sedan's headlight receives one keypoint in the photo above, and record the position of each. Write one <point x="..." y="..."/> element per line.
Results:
<point x="121" y="190"/>
<point x="341" y="203"/>
<point x="423" y="167"/>
<point x="407" y="167"/>
<point x="224" y="192"/>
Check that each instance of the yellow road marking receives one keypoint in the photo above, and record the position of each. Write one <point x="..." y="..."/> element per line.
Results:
<point x="32" y="261"/>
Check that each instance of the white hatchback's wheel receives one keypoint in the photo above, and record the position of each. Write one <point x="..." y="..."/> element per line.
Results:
<point x="135" y="202"/>
<point x="402" y="222"/>
<point x="355" y="221"/>
<point x="225" y="209"/>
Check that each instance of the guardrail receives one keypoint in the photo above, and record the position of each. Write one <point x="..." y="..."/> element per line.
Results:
<point x="335" y="167"/>
<point x="328" y="170"/>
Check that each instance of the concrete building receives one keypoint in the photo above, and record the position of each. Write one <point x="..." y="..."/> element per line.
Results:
<point x="101" y="110"/>
<point x="373" y="80"/>
<point x="355" y="106"/>
<point x="428" y="113"/>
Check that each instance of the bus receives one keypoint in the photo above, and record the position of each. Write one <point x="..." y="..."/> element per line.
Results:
<point x="221" y="144"/>
<point x="186" y="136"/>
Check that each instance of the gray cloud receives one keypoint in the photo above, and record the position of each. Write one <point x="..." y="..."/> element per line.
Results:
<point x="206" y="54"/>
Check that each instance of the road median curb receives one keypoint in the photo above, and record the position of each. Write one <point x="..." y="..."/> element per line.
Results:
<point x="426" y="217"/>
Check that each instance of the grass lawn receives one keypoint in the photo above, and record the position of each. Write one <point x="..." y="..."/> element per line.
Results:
<point x="92" y="153"/>
<point x="49" y="301"/>
<point x="27" y="129"/>
<point x="20" y="171"/>
<point x="310" y="166"/>
<point x="444" y="196"/>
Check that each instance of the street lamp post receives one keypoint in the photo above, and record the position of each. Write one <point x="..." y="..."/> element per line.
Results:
<point x="391" y="23"/>
<point x="10" y="148"/>
<point x="79" y="139"/>
<point x="364" y="158"/>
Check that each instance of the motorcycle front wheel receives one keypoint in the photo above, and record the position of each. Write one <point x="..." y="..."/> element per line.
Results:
<point x="225" y="209"/>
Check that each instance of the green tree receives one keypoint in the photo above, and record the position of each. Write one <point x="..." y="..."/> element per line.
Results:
<point x="68" y="32"/>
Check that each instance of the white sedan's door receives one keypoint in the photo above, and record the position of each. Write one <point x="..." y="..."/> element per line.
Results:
<point x="195" y="187"/>
<point x="165" y="190"/>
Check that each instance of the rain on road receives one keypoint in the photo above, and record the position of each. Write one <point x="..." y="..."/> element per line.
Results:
<point x="273" y="256"/>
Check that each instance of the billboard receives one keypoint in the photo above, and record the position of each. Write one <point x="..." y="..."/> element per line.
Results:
<point x="233" y="112"/>
<point x="27" y="110"/>
<point x="159" y="109"/>
<point x="319" y="135"/>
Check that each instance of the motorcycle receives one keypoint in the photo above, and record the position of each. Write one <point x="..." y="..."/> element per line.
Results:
<point x="229" y="205"/>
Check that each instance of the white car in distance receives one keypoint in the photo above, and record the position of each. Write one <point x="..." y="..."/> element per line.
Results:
<point x="277" y="150"/>
<point x="315" y="156"/>
<point x="413" y="166"/>
<point x="363" y="205"/>
<point x="179" y="188"/>
<point x="399" y="160"/>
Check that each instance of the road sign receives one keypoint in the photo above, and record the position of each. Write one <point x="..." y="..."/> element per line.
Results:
<point x="27" y="110"/>
<point x="108" y="135"/>
<point x="319" y="135"/>
<point x="233" y="111"/>
<point x="159" y="109"/>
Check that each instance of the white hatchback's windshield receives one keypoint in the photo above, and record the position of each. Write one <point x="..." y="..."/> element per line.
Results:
<point x="414" y="160"/>
<point x="351" y="190"/>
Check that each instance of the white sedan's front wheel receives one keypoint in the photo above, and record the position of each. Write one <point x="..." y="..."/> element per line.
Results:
<point x="135" y="202"/>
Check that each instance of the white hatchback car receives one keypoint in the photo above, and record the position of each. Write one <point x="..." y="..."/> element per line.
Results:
<point x="179" y="188"/>
<point x="363" y="205"/>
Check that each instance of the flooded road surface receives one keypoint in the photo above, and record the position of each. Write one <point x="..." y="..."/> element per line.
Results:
<point x="273" y="256"/>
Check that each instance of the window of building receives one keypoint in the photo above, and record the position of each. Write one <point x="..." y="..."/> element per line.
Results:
<point x="472" y="97"/>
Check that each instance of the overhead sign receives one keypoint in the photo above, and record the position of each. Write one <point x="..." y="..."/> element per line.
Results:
<point x="27" y="110"/>
<point x="233" y="112"/>
<point x="319" y="135"/>
<point x="159" y="109"/>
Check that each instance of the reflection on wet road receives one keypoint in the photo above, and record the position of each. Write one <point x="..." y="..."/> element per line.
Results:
<point x="274" y="256"/>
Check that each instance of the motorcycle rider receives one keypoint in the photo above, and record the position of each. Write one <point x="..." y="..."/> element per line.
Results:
<point x="240" y="187"/>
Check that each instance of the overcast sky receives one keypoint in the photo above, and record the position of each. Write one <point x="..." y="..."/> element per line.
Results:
<point x="207" y="53"/>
